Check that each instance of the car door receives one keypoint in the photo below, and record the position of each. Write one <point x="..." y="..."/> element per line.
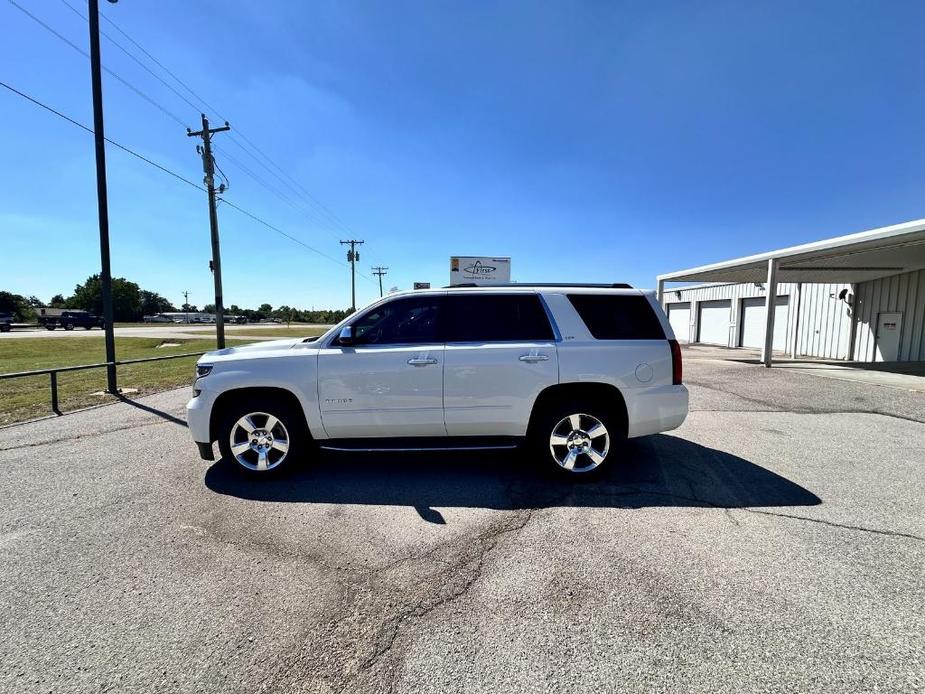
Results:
<point x="500" y="353"/>
<point x="389" y="381"/>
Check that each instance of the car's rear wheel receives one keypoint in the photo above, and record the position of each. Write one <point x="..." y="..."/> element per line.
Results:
<point x="576" y="439"/>
<point x="260" y="437"/>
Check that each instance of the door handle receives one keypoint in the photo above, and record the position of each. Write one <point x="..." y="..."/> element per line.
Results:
<point x="421" y="361"/>
<point x="531" y="358"/>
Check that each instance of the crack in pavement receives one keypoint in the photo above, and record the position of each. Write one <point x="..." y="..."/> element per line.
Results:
<point x="772" y="407"/>
<point x="844" y="526"/>
<point x="634" y="491"/>
<point x="348" y="648"/>
<point x="75" y="437"/>
<point x="389" y="631"/>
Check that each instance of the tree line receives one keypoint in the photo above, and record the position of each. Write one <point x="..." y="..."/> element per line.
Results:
<point x="131" y="303"/>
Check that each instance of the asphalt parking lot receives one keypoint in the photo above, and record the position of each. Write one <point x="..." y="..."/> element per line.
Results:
<point x="774" y="543"/>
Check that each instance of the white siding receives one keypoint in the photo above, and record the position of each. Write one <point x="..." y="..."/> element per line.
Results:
<point x="824" y="325"/>
<point x="903" y="293"/>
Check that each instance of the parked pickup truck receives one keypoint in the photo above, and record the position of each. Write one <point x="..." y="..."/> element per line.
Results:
<point x="569" y="372"/>
<point x="70" y="319"/>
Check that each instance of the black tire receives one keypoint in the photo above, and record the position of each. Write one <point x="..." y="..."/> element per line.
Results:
<point x="293" y="430"/>
<point x="595" y="454"/>
<point x="68" y="326"/>
<point x="88" y="327"/>
<point x="50" y="327"/>
<point x="5" y="328"/>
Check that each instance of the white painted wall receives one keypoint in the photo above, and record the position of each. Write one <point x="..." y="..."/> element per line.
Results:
<point x="824" y="325"/>
<point x="905" y="294"/>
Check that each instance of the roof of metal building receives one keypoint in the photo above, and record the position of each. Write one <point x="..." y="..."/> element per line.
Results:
<point x="858" y="257"/>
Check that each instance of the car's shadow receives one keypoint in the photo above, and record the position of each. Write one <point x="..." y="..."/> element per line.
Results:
<point x="660" y="470"/>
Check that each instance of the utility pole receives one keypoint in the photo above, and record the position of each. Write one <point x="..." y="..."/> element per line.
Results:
<point x="208" y="167"/>
<point x="186" y="305"/>
<point x="101" y="195"/>
<point x="380" y="271"/>
<point x="352" y="257"/>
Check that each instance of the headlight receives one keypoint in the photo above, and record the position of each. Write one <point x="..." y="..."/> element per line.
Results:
<point x="203" y="370"/>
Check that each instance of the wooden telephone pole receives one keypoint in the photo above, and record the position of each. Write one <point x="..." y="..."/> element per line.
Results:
<point x="208" y="167"/>
<point x="380" y="271"/>
<point x="353" y="255"/>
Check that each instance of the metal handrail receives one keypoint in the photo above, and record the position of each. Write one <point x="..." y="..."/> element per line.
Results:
<point x="53" y="372"/>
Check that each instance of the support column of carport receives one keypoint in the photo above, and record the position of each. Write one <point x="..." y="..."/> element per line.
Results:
<point x="661" y="293"/>
<point x="770" y="304"/>
<point x="795" y="307"/>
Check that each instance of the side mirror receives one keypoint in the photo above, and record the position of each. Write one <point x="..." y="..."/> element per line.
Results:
<point x="346" y="336"/>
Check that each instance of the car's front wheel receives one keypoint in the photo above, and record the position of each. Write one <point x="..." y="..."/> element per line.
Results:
<point x="262" y="436"/>
<point x="576" y="439"/>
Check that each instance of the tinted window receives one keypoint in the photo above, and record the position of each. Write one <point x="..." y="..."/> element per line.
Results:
<point x="402" y="321"/>
<point x="618" y="317"/>
<point x="496" y="318"/>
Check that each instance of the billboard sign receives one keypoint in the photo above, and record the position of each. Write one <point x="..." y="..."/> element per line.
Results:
<point x="481" y="270"/>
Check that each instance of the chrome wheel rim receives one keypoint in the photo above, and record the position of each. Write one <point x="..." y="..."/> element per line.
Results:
<point x="259" y="441"/>
<point x="579" y="442"/>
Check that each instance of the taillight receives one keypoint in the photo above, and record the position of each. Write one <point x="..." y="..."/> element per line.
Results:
<point x="675" y="362"/>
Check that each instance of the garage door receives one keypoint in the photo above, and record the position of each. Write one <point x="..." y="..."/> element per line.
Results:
<point x="714" y="322"/>
<point x="679" y="315"/>
<point x="753" y="315"/>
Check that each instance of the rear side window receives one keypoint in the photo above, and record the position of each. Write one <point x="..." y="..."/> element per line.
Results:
<point x="496" y="318"/>
<point x="618" y="317"/>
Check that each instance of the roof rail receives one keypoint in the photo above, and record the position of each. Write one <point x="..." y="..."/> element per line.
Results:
<point x="613" y="285"/>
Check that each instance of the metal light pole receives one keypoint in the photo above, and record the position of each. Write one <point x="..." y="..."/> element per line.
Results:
<point x="101" y="197"/>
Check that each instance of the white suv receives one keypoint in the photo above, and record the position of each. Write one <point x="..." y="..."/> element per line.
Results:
<point x="569" y="370"/>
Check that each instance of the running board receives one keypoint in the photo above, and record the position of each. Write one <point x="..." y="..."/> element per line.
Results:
<point x="421" y="444"/>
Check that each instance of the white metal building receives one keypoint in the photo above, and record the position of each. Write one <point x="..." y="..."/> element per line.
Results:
<point x="857" y="297"/>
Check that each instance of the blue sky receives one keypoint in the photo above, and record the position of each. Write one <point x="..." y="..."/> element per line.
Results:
<point x="602" y="141"/>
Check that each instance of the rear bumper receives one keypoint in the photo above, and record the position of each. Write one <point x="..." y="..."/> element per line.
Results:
<point x="655" y="409"/>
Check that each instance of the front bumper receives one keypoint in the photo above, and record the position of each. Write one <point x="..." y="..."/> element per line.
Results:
<point x="198" y="416"/>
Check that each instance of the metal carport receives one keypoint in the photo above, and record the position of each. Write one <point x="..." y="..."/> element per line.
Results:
<point x="854" y="258"/>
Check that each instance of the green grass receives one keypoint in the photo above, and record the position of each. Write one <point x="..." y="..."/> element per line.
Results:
<point x="28" y="398"/>
<point x="271" y="332"/>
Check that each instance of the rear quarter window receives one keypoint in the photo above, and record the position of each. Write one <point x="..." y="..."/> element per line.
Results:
<point x="618" y="316"/>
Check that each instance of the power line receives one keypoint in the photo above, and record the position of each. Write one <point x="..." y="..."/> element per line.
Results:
<point x="305" y="194"/>
<point x="168" y="171"/>
<point x="109" y="140"/>
<point x="112" y="74"/>
<point x="283" y="233"/>
<point x="130" y="55"/>
<point x="293" y="184"/>
<point x="309" y="215"/>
